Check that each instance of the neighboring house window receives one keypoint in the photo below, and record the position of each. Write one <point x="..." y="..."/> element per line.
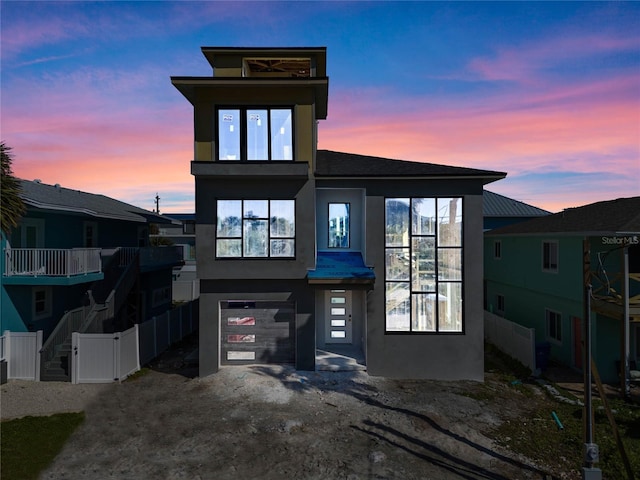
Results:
<point x="339" y="225"/>
<point x="189" y="228"/>
<point x="500" y="304"/>
<point x="161" y="296"/>
<point x="90" y="234"/>
<point x="550" y="256"/>
<point x="554" y="325"/>
<point x="423" y="264"/>
<point x="255" y="229"/>
<point x="497" y="249"/>
<point x="41" y="302"/>
<point x="143" y="237"/>
<point x="255" y="134"/>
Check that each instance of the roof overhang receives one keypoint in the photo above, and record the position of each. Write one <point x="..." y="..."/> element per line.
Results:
<point x="189" y="87"/>
<point x="341" y="268"/>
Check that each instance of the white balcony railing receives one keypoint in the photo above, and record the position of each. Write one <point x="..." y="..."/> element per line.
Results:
<point x="51" y="262"/>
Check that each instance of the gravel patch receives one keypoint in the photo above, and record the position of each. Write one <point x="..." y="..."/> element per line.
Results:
<point x="20" y="398"/>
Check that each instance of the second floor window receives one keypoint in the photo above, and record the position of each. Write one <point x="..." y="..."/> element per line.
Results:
<point x="339" y="225"/>
<point x="255" y="229"/>
<point x="255" y="134"/>
<point x="550" y="256"/>
<point x="497" y="249"/>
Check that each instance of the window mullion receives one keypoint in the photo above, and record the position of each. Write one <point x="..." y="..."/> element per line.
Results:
<point x="269" y="134"/>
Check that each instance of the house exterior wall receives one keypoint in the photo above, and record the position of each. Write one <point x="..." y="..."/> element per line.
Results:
<point x="529" y="291"/>
<point x="436" y="356"/>
<point x="208" y="191"/>
<point x="394" y="354"/>
<point x="301" y="99"/>
<point x="67" y="231"/>
<point x="212" y="292"/>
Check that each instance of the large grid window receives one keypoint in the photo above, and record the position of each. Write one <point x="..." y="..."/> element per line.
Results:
<point x="423" y="264"/>
<point x="255" y="229"/>
<point x="255" y="134"/>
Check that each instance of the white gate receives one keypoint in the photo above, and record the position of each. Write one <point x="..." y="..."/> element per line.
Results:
<point x="21" y="351"/>
<point x="104" y="358"/>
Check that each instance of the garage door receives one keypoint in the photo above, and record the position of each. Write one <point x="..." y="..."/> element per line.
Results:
<point x="257" y="332"/>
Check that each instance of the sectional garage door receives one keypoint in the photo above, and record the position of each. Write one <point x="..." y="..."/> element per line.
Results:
<point x="257" y="332"/>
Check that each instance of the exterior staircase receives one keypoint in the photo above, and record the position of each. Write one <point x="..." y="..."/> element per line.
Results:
<point x="58" y="368"/>
<point x="120" y="278"/>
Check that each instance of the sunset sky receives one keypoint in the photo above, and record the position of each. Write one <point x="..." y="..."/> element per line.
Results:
<point x="547" y="92"/>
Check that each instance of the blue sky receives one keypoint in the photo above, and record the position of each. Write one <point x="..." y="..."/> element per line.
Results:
<point x="547" y="92"/>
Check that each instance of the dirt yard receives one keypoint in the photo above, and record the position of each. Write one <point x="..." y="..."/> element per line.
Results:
<point x="275" y="423"/>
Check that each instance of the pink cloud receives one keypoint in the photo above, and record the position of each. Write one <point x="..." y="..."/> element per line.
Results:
<point x="525" y="63"/>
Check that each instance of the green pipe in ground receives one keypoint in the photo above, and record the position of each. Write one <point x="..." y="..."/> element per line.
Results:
<point x="558" y="422"/>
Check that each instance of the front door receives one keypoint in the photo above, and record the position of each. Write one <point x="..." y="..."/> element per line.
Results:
<point x="338" y="317"/>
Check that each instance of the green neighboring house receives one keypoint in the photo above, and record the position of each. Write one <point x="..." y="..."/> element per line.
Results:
<point x="534" y="276"/>
<point x="500" y="211"/>
<point x="77" y="256"/>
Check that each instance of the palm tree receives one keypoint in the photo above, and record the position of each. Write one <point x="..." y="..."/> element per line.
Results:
<point x="12" y="205"/>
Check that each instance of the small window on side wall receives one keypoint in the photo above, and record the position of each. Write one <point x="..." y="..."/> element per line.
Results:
<point x="339" y="225"/>
<point x="550" y="256"/>
<point x="497" y="249"/>
<point x="41" y="302"/>
<point x="554" y="326"/>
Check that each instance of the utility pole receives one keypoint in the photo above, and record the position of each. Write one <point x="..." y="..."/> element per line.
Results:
<point x="591" y="455"/>
<point x="157" y="204"/>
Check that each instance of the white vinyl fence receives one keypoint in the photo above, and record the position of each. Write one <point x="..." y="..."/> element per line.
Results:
<point x="515" y="340"/>
<point x="185" y="291"/>
<point x="21" y="351"/>
<point x="111" y="357"/>
<point x="102" y="357"/>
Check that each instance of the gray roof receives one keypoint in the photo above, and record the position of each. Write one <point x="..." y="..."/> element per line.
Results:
<point x="620" y="216"/>
<point x="55" y="197"/>
<point x="495" y="205"/>
<point x="337" y="164"/>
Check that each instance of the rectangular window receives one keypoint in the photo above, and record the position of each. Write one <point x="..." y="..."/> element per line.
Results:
<point x="339" y="225"/>
<point x="161" y="296"/>
<point x="550" y="256"/>
<point x="41" y="302"/>
<point x="255" y="229"/>
<point x="554" y="325"/>
<point x="255" y="134"/>
<point x="500" y="304"/>
<point x="90" y="234"/>
<point x="497" y="249"/>
<point x="423" y="264"/>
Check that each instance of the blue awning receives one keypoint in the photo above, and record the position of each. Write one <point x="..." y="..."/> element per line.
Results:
<point x="341" y="268"/>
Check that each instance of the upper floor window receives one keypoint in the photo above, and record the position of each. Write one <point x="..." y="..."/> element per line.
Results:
<point x="497" y="249"/>
<point x="423" y="264"/>
<point x="255" y="134"/>
<point x="255" y="229"/>
<point x="90" y="234"/>
<point x="339" y="225"/>
<point x="550" y="256"/>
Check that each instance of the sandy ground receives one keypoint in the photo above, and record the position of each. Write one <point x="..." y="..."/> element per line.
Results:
<point x="272" y="422"/>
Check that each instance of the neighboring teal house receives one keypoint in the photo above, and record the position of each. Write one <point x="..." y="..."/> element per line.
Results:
<point x="500" y="211"/>
<point x="534" y="276"/>
<point x="76" y="257"/>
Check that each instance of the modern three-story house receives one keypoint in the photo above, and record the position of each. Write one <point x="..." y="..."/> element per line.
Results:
<point x="303" y="250"/>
